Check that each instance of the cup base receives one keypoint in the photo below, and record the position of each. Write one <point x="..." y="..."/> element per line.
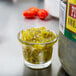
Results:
<point x="38" y="66"/>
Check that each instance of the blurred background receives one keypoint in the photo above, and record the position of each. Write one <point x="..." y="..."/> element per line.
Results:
<point x="11" y="22"/>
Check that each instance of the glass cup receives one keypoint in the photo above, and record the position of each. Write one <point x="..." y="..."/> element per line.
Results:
<point x="37" y="55"/>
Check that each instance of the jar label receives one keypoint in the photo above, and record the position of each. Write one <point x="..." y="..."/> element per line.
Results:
<point x="70" y="27"/>
<point x="67" y="23"/>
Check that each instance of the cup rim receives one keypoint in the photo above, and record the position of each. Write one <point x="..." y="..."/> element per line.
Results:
<point x="25" y="42"/>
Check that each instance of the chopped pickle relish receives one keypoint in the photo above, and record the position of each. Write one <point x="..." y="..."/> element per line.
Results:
<point x="38" y="35"/>
<point x="37" y="53"/>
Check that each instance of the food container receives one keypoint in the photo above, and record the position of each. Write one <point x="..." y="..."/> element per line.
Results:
<point x="67" y="37"/>
<point x="37" y="55"/>
<point x="52" y="6"/>
<point x="67" y="54"/>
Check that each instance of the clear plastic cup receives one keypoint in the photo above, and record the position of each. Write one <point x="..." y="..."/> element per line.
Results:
<point x="37" y="55"/>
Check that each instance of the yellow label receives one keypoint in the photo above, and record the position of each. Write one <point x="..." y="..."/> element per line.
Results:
<point x="71" y="16"/>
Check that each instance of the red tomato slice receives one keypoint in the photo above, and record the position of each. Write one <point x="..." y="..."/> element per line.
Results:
<point x="28" y="14"/>
<point x="34" y="9"/>
<point x="42" y="14"/>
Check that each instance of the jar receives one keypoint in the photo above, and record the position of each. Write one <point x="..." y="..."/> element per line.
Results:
<point x="37" y="55"/>
<point x="67" y="36"/>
